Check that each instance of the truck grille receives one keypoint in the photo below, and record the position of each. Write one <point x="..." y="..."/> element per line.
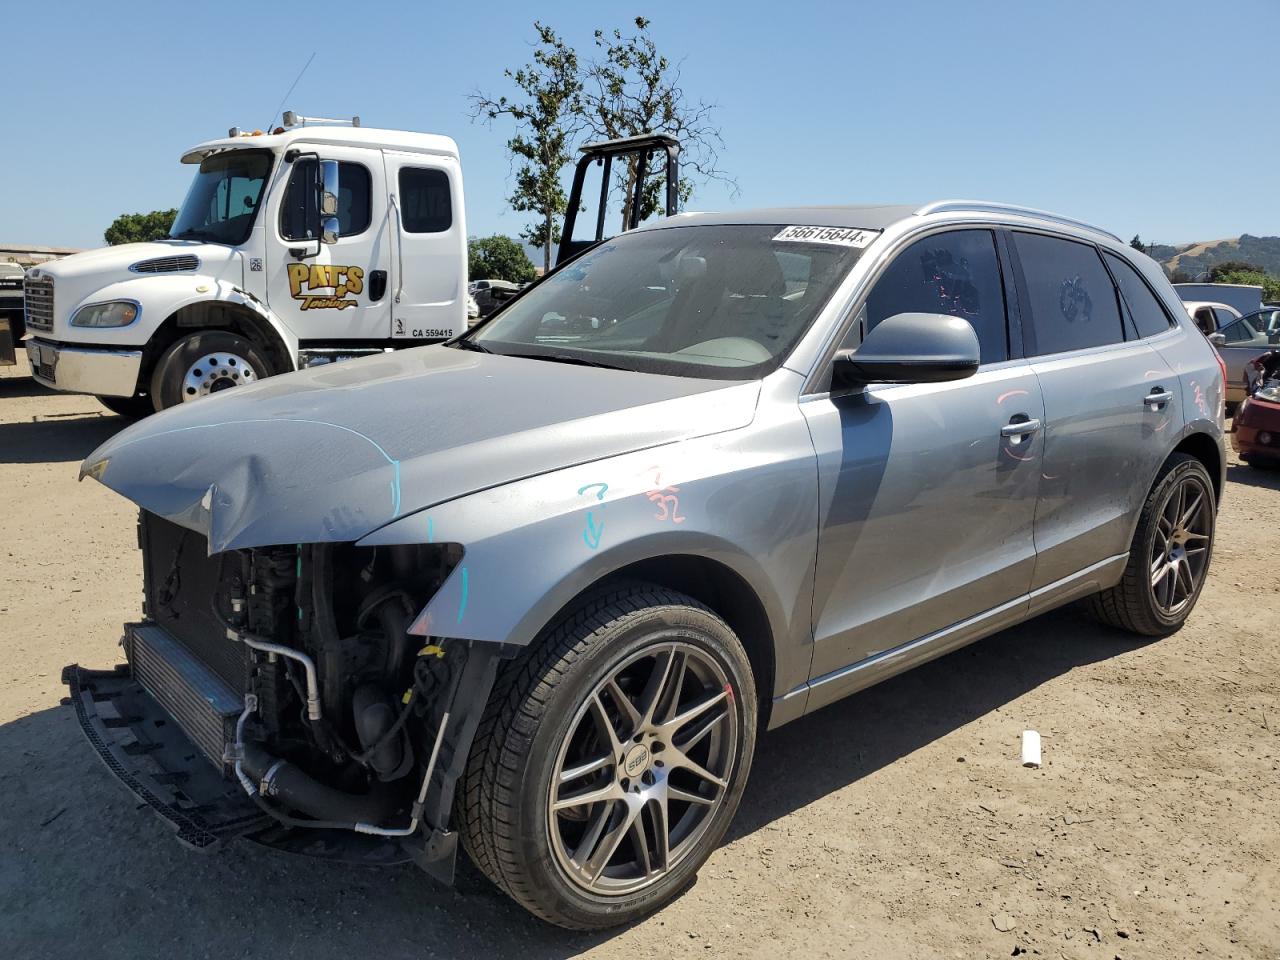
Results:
<point x="166" y="264"/>
<point x="39" y="297"/>
<point x="203" y="705"/>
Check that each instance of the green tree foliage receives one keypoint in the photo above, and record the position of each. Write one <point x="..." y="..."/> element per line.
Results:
<point x="139" y="227"/>
<point x="1137" y="244"/>
<point x="632" y="89"/>
<point x="546" y="116"/>
<point x="498" y="258"/>
<point x="1226" y="267"/>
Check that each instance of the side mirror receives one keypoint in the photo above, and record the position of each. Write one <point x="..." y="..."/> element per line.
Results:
<point x="329" y="232"/>
<point x="910" y="348"/>
<point x="1217" y="339"/>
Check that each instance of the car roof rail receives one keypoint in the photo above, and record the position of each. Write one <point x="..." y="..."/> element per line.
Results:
<point x="986" y="206"/>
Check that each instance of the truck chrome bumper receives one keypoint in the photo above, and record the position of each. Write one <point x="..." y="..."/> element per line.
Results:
<point x="97" y="370"/>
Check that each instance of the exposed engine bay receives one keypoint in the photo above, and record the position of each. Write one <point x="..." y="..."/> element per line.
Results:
<point x="292" y="671"/>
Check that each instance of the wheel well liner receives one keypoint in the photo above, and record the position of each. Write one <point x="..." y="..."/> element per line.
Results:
<point x="1205" y="449"/>
<point x="725" y="592"/>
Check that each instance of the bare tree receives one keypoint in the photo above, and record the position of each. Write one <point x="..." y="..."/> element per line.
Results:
<point x="547" y="118"/>
<point x="631" y="89"/>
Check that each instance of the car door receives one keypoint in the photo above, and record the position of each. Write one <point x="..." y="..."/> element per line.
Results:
<point x="328" y="293"/>
<point x="429" y="275"/>
<point x="1110" y="402"/>
<point x="927" y="491"/>
<point x="1242" y="342"/>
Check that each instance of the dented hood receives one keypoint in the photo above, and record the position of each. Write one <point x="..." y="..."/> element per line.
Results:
<point x="333" y="453"/>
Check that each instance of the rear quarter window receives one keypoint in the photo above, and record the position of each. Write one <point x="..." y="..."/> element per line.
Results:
<point x="1148" y="313"/>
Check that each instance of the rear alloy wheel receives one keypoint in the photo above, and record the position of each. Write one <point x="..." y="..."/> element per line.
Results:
<point x="206" y="363"/>
<point x="611" y="758"/>
<point x="1169" y="557"/>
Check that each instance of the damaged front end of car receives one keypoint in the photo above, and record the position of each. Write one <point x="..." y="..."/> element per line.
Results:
<point x="277" y="693"/>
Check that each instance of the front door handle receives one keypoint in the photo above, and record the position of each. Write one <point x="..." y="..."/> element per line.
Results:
<point x="1020" y="426"/>
<point x="1158" y="397"/>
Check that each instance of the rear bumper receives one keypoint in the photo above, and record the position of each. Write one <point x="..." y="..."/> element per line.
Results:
<point x="97" y="370"/>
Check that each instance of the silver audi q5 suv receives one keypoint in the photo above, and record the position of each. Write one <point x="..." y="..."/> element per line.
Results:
<point x="541" y="587"/>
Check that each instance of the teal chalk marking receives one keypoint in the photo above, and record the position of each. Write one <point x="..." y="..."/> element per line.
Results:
<point x="431" y="534"/>
<point x="462" y="604"/>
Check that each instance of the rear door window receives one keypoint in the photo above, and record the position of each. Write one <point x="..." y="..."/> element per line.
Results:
<point x="955" y="273"/>
<point x="1149" y="315"/>
<point x="1071" y="298"/>
<point x="426" y="204"/>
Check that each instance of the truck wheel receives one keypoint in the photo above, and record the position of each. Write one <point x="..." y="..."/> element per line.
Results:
<point x="611" y="758"/>
<point x="132" y="408"/>
<point x="203" y="363"/>
<point x="1169" y="556"/>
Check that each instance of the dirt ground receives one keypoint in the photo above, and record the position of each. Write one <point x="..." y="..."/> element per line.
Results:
<point x="897" y="823"/>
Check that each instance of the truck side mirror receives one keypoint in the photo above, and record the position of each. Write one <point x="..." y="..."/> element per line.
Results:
<point x="1217" y="339"/>
<point x="329" y="231"/>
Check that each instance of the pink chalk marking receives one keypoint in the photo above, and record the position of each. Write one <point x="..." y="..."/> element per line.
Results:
<point x="1011" y="393"/>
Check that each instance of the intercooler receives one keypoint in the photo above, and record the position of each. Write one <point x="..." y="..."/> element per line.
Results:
<point x="203" y="705"/>
<point x="182" y="655"/>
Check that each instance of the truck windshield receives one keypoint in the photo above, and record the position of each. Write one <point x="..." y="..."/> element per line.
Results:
<point x="223" y="199"/>
<point x="718" y="301"/>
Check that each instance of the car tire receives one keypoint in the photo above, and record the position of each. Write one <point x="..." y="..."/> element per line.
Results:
<point x="131" y="408"/>
<point x="1170" y="554"/>
<point x="203" y="363"/>
<point x="578" y="864"/>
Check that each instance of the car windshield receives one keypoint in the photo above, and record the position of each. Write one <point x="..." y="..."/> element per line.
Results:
<point x="723" y="302"/>
<point x="223" y="200"/>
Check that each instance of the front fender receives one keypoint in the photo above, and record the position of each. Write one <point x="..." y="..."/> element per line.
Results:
<point x="746" y="499"/>
<point x="161" y="296"/>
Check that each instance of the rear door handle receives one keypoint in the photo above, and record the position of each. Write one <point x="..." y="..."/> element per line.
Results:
<point x="1020" y="426"/>
<point x="1158" y="397"/>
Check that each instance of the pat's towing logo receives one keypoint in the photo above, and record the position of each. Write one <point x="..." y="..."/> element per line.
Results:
<point x="324" y="286"/>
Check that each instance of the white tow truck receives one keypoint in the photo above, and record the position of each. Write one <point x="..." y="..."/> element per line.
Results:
<point x="319" y="241"/>
<point x="312" y="243"/>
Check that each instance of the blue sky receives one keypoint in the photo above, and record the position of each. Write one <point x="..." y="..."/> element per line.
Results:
<point x="1158" y="118"/>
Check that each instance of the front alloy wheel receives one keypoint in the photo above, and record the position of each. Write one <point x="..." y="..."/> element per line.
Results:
<point x="611" y="757"/>
<point x="643" y="769"/>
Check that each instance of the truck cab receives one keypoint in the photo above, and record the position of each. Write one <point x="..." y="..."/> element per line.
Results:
<point x="309" y="244"/>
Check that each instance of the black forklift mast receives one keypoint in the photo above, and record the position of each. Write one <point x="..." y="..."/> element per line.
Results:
<point x="604" y="153"/>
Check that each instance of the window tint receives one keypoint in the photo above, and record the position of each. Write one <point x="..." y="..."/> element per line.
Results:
<point x="1224" y="316"/>
<point x="298" y="211"/>
<point x="1072" y="300"/>
<point x="425" y="203"/>
<point x="1148" y="314"/>
<point x="955" y="273"/>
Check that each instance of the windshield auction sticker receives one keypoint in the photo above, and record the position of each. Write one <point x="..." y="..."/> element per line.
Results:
<point x="840" y="236"/>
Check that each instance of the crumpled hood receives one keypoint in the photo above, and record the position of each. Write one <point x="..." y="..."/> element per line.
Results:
<point x="333" y="453"/>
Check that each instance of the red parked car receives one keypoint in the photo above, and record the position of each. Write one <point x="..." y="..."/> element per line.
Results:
<point x="1255" y="432"/>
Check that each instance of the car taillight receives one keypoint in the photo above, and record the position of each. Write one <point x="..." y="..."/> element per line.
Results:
<point x="1222" y="368"/>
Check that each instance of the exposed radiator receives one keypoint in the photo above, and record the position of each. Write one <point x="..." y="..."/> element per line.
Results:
<point x="198" y="700"/>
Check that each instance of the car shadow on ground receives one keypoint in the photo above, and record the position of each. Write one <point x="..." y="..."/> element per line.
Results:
<point x="56" y="438"/>
<point x="11" y="386"/>
<point x="77" y="855"/>
<point x="1267" y="477"/>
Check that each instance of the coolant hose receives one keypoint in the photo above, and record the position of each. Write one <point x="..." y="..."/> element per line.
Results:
<point x="297" y="789"/>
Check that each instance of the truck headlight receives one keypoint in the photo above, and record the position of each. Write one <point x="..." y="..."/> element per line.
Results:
<point x="117" y="313"/>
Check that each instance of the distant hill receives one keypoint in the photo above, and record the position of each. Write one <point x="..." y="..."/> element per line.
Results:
<point x="1195" y="259"/>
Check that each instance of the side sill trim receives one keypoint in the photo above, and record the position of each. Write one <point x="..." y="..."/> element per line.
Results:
<point x="830" y="687"/>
